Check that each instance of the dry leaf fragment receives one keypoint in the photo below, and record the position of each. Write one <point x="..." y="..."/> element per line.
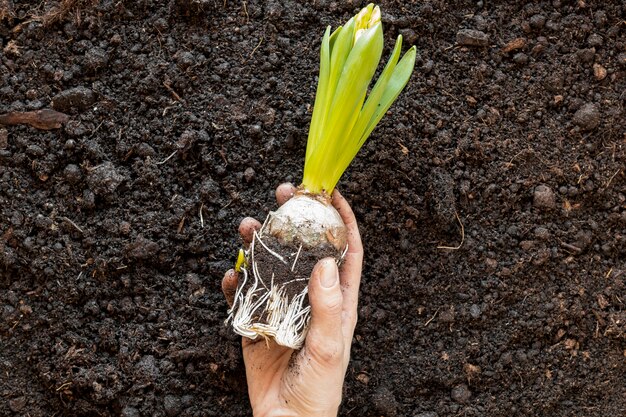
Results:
<point x="45" y="119"/>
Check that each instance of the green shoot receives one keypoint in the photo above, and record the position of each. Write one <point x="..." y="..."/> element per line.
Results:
<point x="342" y="118"/>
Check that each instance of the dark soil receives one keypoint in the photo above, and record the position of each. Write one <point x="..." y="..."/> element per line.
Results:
<point x="115" y="230"/>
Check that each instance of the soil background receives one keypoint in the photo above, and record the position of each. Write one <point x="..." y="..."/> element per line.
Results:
<point x="508" y="147"/>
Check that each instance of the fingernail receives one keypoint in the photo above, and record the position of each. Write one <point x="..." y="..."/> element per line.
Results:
<point x="330" y="274"/>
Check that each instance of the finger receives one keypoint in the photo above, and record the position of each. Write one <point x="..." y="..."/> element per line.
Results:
<point x="229" y="286"/>
<point x="347" y="215"/>
<point x="351" y="267"/>
<point x="284" y="192"/>
<point x="247" y="228"/>
<point x="324" y="342"/>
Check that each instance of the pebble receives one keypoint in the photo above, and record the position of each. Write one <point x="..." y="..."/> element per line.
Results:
<point x="595" y="40"/>
<point x="172" y="405"/>
<point x="542" y="233"/>
<point x="586" y="55"/>
<point x="621" y="59"/>
<point x="89" y="200"/>
<point x="409" y="36"/>
<point x="587" y="117"/>
<point x="599" y="72"/>
<point x="537" y="21"/>
<point x="475" y="311"/>
<point x="471" y="37"/>
<point x="4" y="138"/>
<point x="72" y="174"/>
<point x="461" y="394"/>
<point x="35" y="150"/>
<point x="543" y="197"/>
<point x="17" y="404"/>
<point x="104" y="179"/>
<point x="426" y="414"/>
<point x="95" y="59"/>
<point x="124" y="228"/>
<point x="144" y="150"/>
<point x="249" y="174"/>
<point x="520" y="58"/>
<point x="147" y="368"/>
<point x="142" y="248"/>
<point x="78" y="97"/>
<point x="185" y="59"/>
<point x="129" y="411"/>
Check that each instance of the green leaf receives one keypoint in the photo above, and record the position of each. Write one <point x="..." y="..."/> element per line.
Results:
<point x="320" y="109"/>
<point x="342" y="119"/>
<point x="349" y="97"/>
<point x="399" y="79"/>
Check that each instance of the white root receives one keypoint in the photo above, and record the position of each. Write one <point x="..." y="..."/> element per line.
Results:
<point x="267" y="309"/>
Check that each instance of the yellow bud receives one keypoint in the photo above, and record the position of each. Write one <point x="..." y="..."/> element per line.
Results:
<point x="365" y="19"/>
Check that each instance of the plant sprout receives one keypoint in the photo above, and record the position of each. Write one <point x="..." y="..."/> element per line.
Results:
<point x="271" y="298"/>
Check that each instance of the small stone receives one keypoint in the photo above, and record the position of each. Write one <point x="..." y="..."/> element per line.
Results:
<point x="142" y="248"/>
<point x="471" y="37"/>
<point x="587" y="117"/>
<point x="129" y="411"/>
<point x="185" y="59"/>
<point x="475" y="311"/>
<point x="599" y="72"/>
<point x="116" y="39"/>
<point x="595" y="40"/>
<point x="426" y="414"/>
<point x="4" y="138"/>
<point x="537" y="21"/>
<point x="17" y="404"/>
<point x="621" y="59"/>
<point x="409" y="36"/>
<point x="89" y="200"/>
<point x="124" y="228"/>
<point x="543" y="197"/>
<point x="72" y="174"/>
<point x="172" y="405"/>
<point x="95" y="59"/>
<point x="542" y="233"/>
<point x="520" y="58"/>
<point x="586" y="55"/>
<point x="249" y="174"/>
<point x="104" y="179"/>
<point x="35" y="150"/>
<point x="80" y="98"/>
<point x="144" y="150"/>
<point x="461" y="394"/>
<point x="147" y="368"/>
<point x="447" y="315"/>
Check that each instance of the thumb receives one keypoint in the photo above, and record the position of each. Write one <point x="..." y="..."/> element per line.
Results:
<point x="324" y="341"/>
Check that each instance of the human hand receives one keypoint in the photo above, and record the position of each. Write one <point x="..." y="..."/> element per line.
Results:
<point x="308" y="382"/>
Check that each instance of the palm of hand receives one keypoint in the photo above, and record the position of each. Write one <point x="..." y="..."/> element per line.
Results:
<point x="308" y="382"/>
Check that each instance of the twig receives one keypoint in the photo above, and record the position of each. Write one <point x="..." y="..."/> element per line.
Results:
<point x="571" y="247"/>
<point x="167" y="84"/>
<point x="168" y="158"/>
<point x="433" y="317"/>
<point x="255" y="48"/>
<point x="611" y="179"/>
<point x="297" y="256"/>
<point x="201" y="218"/>
<point x="462" y="236"/>
<point x="73" y="224"/>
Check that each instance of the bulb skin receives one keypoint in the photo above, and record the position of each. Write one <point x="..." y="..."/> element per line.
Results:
<point x="308" y="221"/>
